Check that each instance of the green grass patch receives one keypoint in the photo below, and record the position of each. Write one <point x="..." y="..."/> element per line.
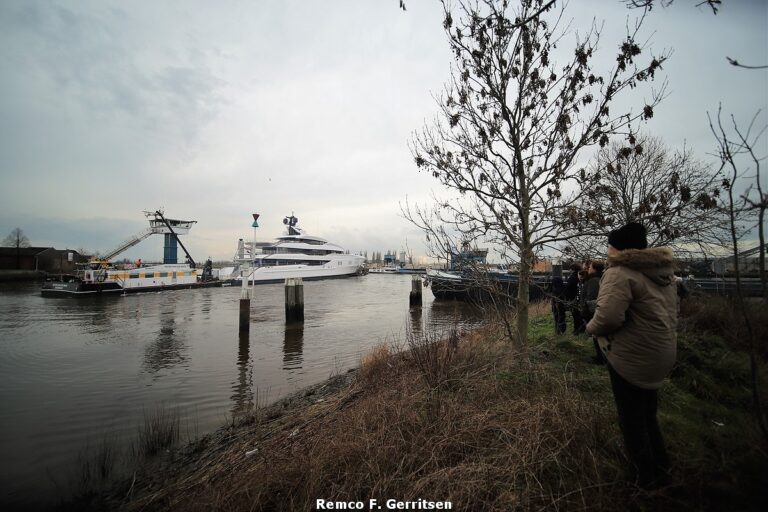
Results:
<point x="705" y="413"/>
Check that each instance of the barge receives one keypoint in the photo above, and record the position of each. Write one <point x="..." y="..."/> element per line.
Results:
<point x="153" y="278"/>
<point x="100" y="277"/>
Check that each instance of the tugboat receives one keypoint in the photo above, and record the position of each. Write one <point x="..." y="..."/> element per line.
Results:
<point x="100" y="277"/>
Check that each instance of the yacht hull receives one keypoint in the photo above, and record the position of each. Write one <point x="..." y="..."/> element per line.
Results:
<point x="278" y="274"/>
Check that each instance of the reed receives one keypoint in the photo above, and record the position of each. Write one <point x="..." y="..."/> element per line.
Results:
<point x="433" y="352"/>
<point x="158" y="432"/>
<point x="96" y="464"/>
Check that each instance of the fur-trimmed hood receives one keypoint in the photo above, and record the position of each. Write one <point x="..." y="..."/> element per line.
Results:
<point x="656" y="263"/>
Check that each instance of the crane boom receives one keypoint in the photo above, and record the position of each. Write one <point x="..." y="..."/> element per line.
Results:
<point x="127" y="244"/>
<point x="158" y="224"/>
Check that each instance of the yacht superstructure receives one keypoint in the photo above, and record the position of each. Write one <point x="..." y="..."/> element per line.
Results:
<point x="295" y="254"/>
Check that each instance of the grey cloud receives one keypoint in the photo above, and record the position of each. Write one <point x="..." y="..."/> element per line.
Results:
<point x="217" y="111"/>
<point x="93" y="58"/>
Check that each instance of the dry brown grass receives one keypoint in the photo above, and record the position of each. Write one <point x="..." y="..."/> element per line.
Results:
<point x="539" y="308"/>
<point x="722" y="316"/>
<point x="376" y="361"/>
<point x="475" y="433"/>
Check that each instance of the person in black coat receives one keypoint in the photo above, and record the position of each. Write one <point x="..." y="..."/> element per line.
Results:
<point x="558" y="304"/>
<point x="571" y="298"/>
<point x="589" y="304"/>
<point x="580" y="301"/>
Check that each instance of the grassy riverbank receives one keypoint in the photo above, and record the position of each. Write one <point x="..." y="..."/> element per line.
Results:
<point x="470" y="422"/>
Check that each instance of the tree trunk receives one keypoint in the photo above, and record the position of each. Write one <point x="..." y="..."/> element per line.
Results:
<point x="526" y="262"/>
<point x="522" y="297"/>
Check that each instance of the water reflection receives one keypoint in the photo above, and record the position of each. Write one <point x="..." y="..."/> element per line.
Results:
<point x="169" y="348"/>
<point x="207" y="302"/>
<point x="90" y="314"/>
<point x="243" y="389"/>
<point x="101" y="319"/>
<point x="416" y="324"/>
<point x="293" y="346"/>
<point x="442" y="317"/>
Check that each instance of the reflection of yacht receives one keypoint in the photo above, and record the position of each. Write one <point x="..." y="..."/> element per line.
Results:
<point x="296" y="254"/>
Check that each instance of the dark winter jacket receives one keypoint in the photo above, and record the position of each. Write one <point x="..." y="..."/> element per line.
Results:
<point x="589" y="295"/>
<point x="636" y="316"/>
<point x="572" y="286"/>
<point x="557" y="288"/>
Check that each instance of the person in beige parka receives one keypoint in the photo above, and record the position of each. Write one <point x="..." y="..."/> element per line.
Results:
<point x="635" y="322"/>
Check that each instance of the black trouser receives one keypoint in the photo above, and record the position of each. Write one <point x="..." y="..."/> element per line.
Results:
<point x="599" y="357"/>
<point x="642" y="437"/>
<point x="578" y="320"/>
<point x="558" y="310"/>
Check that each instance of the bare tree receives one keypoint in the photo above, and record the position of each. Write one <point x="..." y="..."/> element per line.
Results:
<point x="756" y="200"/>
<point x="734" y="148"/>
<point x="512" y="123"/>
<point x="731" y="150"/>
<point x="439" y="236"/>
<point x="16" y="239"/>
<point x="671" y="193"/>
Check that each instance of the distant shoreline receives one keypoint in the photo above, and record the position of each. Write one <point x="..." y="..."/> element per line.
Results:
<point x="21" y="275"/>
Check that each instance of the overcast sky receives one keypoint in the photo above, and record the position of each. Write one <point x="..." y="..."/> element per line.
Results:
<point x="216" y="110"/>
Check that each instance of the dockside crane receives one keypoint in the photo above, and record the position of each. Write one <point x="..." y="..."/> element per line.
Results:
<point x="158" y="224"/>
<point x="159" y="214"/>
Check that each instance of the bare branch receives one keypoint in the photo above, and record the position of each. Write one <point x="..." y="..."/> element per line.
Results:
<point x="648" y="4"/>
<point x="736" y="63"/>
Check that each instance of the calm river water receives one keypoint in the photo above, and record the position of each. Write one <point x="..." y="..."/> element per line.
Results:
<point x="76" y="371"/>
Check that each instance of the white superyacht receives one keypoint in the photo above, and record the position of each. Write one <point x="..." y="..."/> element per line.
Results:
<point x="295" y="254"/>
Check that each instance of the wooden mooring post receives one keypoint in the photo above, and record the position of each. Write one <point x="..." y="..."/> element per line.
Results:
<point x="294" y="299"/>
<point x="414" y="299"/>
